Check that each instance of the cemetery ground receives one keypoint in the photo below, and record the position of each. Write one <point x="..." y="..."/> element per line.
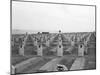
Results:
<point x="68" y="61"/>
<point x="36" y="53"/>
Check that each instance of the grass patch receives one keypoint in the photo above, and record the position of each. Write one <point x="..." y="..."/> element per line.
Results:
<point x="90" y="62"/>
<point x="67" y="61"/>
<point x="35" y="66"/>
<point x="18" y="59"/>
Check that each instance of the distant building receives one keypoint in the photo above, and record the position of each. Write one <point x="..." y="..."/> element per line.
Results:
<point x="45" y="32"/>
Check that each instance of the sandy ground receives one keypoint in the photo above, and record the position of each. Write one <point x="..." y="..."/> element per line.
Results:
<point x="52" y="65"/>
<point x="78" y="64"/>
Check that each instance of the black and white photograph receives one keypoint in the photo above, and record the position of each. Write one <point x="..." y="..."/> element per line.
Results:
<point x="52" y="37"/>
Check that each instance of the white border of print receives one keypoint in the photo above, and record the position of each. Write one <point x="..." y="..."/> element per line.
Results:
<point x="5" y="37"/>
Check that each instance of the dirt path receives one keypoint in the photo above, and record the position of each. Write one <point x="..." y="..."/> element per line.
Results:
<point x="52" y="65"/>
<point x="21" y="66"/>
<point x="78" y="64"/>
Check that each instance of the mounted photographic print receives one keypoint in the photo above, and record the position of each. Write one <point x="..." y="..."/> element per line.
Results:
<point x="52" y="37"/>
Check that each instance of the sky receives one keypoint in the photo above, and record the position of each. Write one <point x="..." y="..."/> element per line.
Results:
<point x="52" y="17"/>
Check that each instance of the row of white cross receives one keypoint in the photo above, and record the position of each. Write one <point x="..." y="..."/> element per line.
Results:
<point x="81" y="47"/>
<point x="39" y="47"/>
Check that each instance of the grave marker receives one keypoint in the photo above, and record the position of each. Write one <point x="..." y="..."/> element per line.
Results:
<point x="72" y="43"/>
<point x="47" y="43"/>
<point x="21" y="49"/>
<point x="81" y="50"/>
<point x="35" y="43"/>
<point x="13" y="71"/>
<point x="39" y="50"/>
<point x="85" y="44"/>
<point x="60" y="50"/>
